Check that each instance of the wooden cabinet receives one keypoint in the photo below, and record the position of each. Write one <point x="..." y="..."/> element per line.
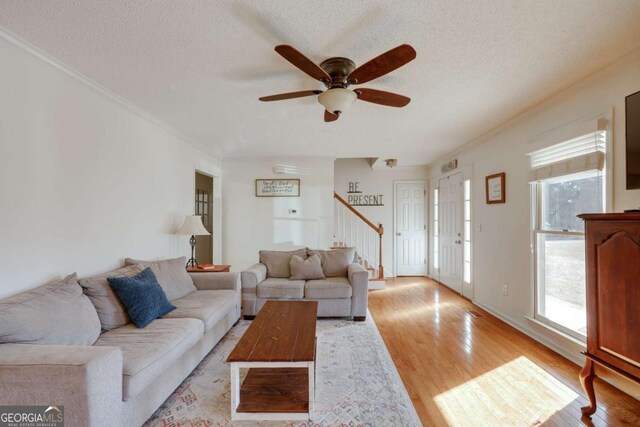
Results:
<point x="613" y="298"/>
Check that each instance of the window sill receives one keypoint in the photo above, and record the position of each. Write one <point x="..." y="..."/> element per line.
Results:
<point x="557" y="332"/>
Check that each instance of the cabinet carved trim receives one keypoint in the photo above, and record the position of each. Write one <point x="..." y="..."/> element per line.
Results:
<point x="615" y="234"/>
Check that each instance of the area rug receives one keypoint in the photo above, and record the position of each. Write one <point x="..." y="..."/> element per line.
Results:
<point x="357" y="384"/>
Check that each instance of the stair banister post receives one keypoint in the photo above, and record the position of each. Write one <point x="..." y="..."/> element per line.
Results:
<point x="381" y="269"/>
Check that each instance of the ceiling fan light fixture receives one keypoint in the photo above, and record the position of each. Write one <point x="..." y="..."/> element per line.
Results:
<point x="391" y="162"/>
<point x="337" y="99"/>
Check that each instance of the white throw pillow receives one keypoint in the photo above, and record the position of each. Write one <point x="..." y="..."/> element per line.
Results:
<point x="335" y="262"/>
<point x="277" y="262"/>
<point x="306" y="269"/>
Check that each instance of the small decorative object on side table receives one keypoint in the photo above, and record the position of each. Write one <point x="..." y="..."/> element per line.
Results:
<point x="209" y="268"/>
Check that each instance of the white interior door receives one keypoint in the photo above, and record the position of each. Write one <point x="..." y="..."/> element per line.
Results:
<point x="410" y="229"/>
<point x="450" y="214"/>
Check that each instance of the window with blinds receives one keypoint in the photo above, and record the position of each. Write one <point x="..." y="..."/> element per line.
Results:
<point x="567" y="179"/>
<point x="581" y="154"/>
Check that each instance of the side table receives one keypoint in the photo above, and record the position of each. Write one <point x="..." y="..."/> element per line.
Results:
<point x="220" y="268"/>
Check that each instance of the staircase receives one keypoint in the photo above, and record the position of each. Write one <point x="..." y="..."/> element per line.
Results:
<point x="352" y="229"/>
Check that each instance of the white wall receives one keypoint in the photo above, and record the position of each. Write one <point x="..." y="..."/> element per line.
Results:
<point x="253" y="223"/>
<point x="378" y="181"/>
<point x="501" y="250"/>
<point x="84" y="180"/>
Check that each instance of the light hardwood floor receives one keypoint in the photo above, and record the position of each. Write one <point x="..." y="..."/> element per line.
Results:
<point x="461" y="369"/>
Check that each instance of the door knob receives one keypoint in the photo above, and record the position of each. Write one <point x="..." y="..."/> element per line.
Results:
<point x="398" y="234"/>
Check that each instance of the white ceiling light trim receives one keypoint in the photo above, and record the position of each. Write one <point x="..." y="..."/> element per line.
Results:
<point x="337" y="100"/>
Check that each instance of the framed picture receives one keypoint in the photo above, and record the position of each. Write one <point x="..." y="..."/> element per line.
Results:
<point x="277" y="188"/>
<point x="495" y="188"/>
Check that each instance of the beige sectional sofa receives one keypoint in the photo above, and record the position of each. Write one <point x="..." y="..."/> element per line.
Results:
<point x="342" y="292"/>
<point x="68" y="343"/>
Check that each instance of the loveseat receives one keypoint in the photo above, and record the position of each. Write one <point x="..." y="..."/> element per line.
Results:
<point x="337" y="281"/>
<point x="71" y="343"/>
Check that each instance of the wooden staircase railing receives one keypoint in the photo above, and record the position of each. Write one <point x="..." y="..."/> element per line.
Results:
<point x="351" y="228"/>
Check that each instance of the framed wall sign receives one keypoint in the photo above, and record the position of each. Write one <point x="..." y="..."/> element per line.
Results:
<point x="356" y="198"/>
<point x="277" y="188"/>
<point x="495" y="188"/>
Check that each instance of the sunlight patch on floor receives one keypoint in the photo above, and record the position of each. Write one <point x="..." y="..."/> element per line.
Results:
<point x="503" y="388"/>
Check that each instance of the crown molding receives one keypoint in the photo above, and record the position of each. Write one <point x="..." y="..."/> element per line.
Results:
<point x="9" y="39"/>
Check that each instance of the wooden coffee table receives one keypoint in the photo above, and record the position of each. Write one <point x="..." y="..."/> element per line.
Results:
<point x="279" y="349"/>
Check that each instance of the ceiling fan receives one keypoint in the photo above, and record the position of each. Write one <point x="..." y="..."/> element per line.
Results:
<point x="338" y="74"/>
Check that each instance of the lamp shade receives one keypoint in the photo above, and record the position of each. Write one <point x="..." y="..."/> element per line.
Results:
<point x="192" y="226"/>
<point x="337" y="99"/>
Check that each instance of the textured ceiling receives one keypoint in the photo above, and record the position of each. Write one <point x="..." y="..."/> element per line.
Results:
<point x="201" y="65"/>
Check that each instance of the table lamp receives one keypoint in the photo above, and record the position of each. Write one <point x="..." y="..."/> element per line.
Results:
<point x="192" y="225"/>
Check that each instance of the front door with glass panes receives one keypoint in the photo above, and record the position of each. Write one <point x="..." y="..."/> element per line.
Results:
<point x="450" y="231"/>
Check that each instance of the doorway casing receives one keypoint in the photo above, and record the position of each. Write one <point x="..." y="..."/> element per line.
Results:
<point x="216" y="237"/>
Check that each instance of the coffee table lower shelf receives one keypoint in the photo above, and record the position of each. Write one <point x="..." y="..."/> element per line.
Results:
<point x="272" y="392"/>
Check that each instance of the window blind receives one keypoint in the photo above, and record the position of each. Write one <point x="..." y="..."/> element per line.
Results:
<point x="584" y="153"/>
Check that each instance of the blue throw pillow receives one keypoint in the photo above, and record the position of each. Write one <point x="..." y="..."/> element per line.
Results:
<point x="142" y="296"/>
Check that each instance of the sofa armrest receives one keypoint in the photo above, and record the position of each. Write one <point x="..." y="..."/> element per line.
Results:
<point x="253" y="275"/>
<point x="359" y="279"/>
<point x="213" y="281"/>
<point x="86" y="380"/>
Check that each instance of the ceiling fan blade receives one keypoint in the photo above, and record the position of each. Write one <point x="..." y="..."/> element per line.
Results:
<point x="381" y="97"/>
<point x="302" y="62"/>
<point x="290" y="95"/>
<point x="330" y="117"/>
<point x="383" y="64"/>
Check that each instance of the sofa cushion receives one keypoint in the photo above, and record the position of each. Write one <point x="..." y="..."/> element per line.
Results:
<point x="171" y="275"/>
<point x="330" y="288"/>
<point x="147" y="353"/>
<point x="142" y="296"/>
<point x="306" y="269"/>
<point x="56" y="313"/>
<point x="111" y="311"/>
<point x="336" y="261"/>
<point x="277" y="262"/>
<point x="208" y="306"/>
<point x="280" y="288"/>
